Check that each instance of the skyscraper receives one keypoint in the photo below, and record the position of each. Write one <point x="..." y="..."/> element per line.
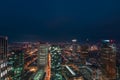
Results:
<point x="42" y="55"/>
<point x="3" y="57"/>
<point x="108" y="58"/>
<point x="118" y="63"/>
<point x="16" y="61"/>
<point x="74" y="46"/>
<point x="56" y="68"/>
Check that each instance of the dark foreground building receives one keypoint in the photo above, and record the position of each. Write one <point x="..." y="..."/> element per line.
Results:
<point x="3" y="58"/>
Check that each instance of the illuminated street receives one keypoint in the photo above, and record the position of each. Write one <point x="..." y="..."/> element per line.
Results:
<point x="48" y="68"/>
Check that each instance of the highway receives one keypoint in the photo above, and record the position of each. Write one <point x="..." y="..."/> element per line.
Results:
<point x="30" y="63"/>
<point x="48" y="68"/>
<point x="33" y="57"/>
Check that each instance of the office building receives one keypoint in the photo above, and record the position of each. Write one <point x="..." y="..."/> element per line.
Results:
<point x="56" y="68"/>
<point x="74" y="46"/>
<point x="108" y="59"/>
<point x="42" y="55"/>
<point x="16" y="61"/>
<point x="3" y="57"/>
<point x="118" y="63"/>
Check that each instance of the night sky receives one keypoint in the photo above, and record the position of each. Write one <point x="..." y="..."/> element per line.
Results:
<point x="60" y="20"/>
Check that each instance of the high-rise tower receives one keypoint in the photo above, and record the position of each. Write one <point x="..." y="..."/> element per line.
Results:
<point x="108" y="58"/>
<point x="3" y="57"/>
<point x="43" y="55"/>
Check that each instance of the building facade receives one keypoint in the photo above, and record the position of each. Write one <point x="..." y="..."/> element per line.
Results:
<point x="42" y="55"/>
<point x="16" y="61"/>
<point x="108" y="59"/>
<point x="56" y="60"/>
<point x="3" y="58"/>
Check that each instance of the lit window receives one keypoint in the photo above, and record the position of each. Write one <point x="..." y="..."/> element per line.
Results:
<point x="5" y="71"/>
<point x="1" y="74"/>
<point x="2" y="65"/>
<point x="6" y="79"/>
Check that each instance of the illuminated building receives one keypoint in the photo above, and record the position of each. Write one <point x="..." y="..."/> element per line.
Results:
<point x="84" y="53"/>
<point x="56" y="68"/>
<point x="43" y="55"/>
<point x="74" y="46"/>
<point x="16" y="61"/>
<point x="40" y="75"/>
<point x="108" y="58"/>
<point x="118" y="64"/>
<point x="3" y="58"/>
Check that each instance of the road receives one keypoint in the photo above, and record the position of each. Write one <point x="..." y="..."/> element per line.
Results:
<point x="31" y="54"/>
<point x="48" y="68"/>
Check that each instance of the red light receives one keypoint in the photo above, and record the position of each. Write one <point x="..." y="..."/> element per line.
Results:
<point x="112" y="41"/>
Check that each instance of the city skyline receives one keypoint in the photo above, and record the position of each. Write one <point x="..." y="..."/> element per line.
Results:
<point x="58" y="61"/>
<point x="59" y="40"/>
